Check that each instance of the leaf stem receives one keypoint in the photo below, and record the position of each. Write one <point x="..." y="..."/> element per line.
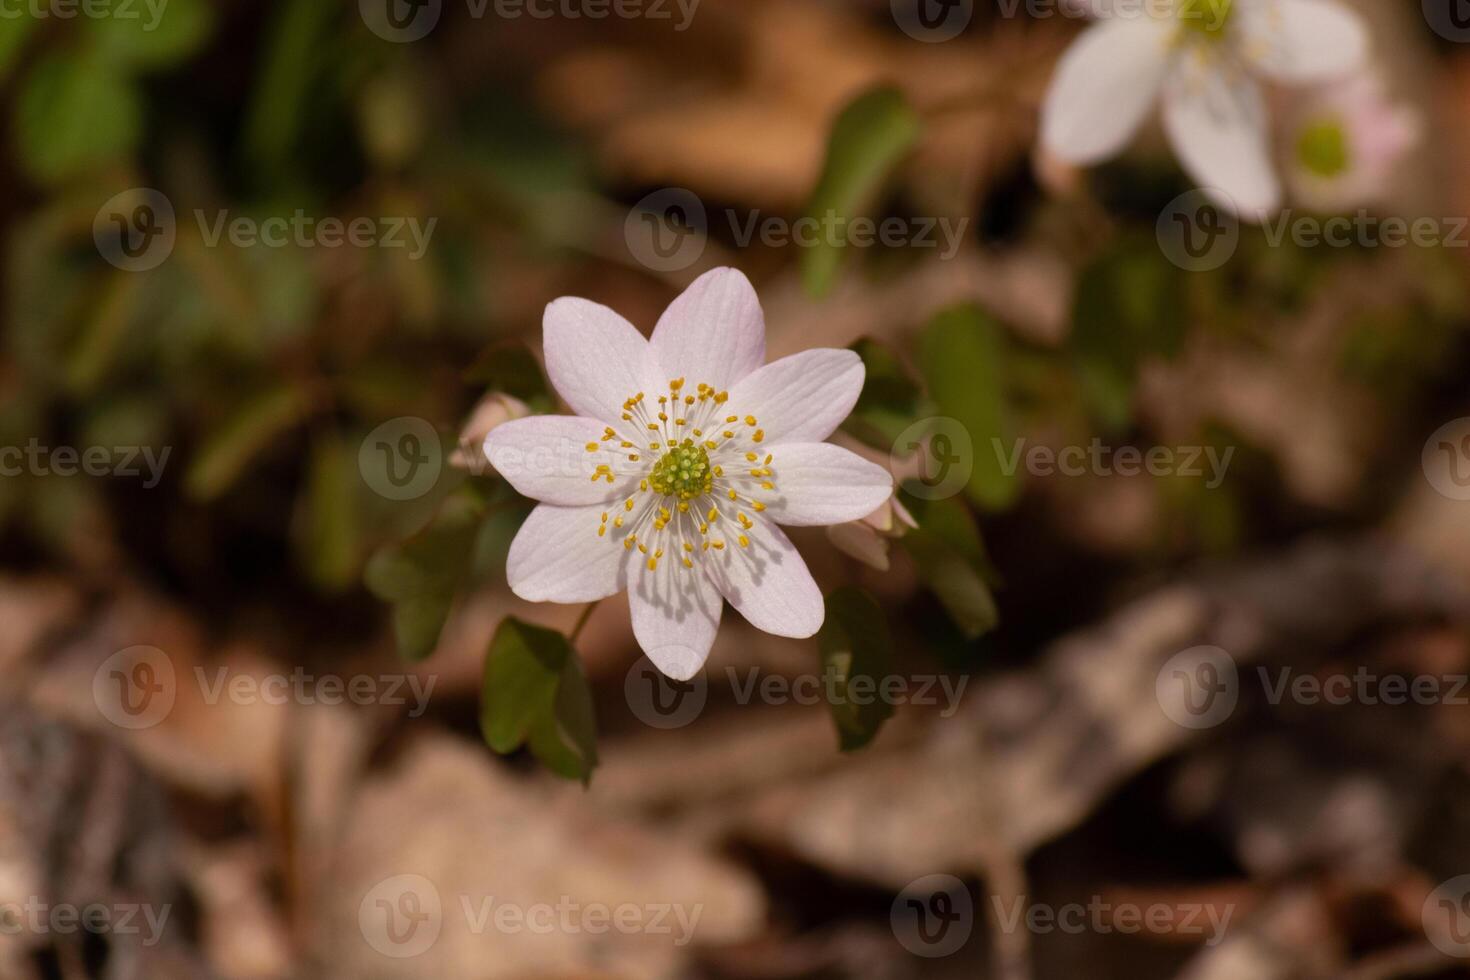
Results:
<point x="582" y="621"/>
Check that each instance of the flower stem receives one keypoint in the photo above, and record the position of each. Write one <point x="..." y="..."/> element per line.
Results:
<point x="582" y="621"/>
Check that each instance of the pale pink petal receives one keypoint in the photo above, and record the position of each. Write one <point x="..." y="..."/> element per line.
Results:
<point x="545" y="458"/>
<point x="714" y="332"/>
<point x="1299" y="41"/>
<point x="1104" y="87"/>
<point x="768" y="582"/>
<point x="1218" y="127"/>
<point x="801" y="398"/>
<point x="595" y="358"/>
<point x="676" y="613"/>
<point x="860" y="541"/>
<point x="819" y="483"/>
<point x="558" y="557"/>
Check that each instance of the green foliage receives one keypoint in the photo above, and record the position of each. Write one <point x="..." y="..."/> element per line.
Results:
<point x="950" y="556"/>
<point x="535" y="694"/>
<point x="870" y="136"/>
<point x="857" y="652"/>
<point x="962" y="360"/>
<point x="77" y="112"/>
<point x="420" y="576"/>
<point x="249" y="430"/>
<point x="142" y="43"/>
<point x="890" y="400"/>
<point x="1130" y="304"/>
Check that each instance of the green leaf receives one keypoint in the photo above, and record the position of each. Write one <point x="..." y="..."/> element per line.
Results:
<point x="1129" y="304"/>
<point x="961" y="357"/>
<point x="76" y="112"/>
<point x="252" y="427"/>
<point x="565" y="740"/>
<point x="857" y="654"/>
<point x="290" y="74"/>
<point x="535" y="694"/>
<point x="889" y="402"/>
<point x="950" y="556"/>
<point x="13" y="34"/>
<point x="868" y="139"/>
<point x="148" y="40"/>
<point x="420" y="576"/>
<point x="329" y="523"/>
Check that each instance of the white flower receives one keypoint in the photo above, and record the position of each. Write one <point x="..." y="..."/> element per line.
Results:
<point x="1205" y="60"/>
<point x="1347" y="141"/>
<point x="684" y="456"/>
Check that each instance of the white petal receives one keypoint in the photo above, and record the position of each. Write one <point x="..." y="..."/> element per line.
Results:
<point x="801" y="398"/>
<point x="594" y="357"/>
<point x="1217" y="125"/>
<point x="545" y="458"/>
<point x="768" y="582"/>
<point x="1303" y="41"/>
<point x="861" y="542"/>
<point x="1104" y="87"/>
<point x="676" y="613"/>
<point x="714" y="332"/>
<point x="558" y="557"/>
<point x="819" y="483"/>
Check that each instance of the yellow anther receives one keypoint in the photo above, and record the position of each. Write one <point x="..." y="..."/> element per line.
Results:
<point x="751" y="457"/>
<point x="652" y="564"/>
<point x="728" y="434"/>
<point x="698" y="433"/>
<point x="628" y="504"/>
<point x="687" y="563"/>
<point x="618" y="521"/>
<point x="662" y="417"/>
<point x="758" y="506"/>
<point x="732" y="418"/>
<point x="676" y="384"/>
<point x="720" y="397"/>
<point x="688" y="546"/>
<point x="719" y="471"/>
<point x="633" y="457"/>
<point x="683" y="506"/>
<point x="601" y="530"/>
<point x="712" y="515"/>
<point x="704" y="529"/>
<point x="592" y="447"/>
<point x="759" y="435"/>
<point x="643" y="548"/>
<point x="769" y="457"/>
<point x="628" y="543"/>
<point x="744" y="541"/>
<point x="750" y="420"/>
<point x="732" y="495"/>
<point x="680" y="422"/>
<point x="719" y="545"/>
<point x="768" y="485"/>
<point x="711" y="445"/>
<point x="642" y="484"/>
<point x="652" y="427"/>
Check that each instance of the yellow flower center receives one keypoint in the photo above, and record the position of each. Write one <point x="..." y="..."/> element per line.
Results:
<point x="699" y="471"/>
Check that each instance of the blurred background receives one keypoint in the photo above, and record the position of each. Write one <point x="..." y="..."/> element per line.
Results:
<point x="1175" y="602"/>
